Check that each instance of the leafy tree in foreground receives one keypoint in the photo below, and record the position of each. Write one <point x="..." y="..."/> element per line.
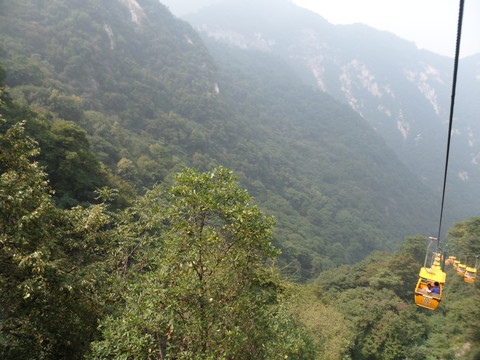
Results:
<point x="47" y="286"/>
<point x="209" y="296"/>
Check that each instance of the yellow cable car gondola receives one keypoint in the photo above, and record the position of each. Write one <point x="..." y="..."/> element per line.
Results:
<point x="429" y="289"/>
<point x="456" y="263"/>
<point x="471" y="272"/>
<point x="429" y="280"/>
<point x="450" y="260"/>
<point x="470" y="275"/>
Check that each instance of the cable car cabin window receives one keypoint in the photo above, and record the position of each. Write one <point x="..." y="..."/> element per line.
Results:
<point x="428" y="288"/>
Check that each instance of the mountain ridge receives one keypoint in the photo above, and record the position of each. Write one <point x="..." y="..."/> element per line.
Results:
<point x="403" y="91"/>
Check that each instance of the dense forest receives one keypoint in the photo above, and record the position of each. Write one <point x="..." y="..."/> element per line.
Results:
<point x="188" y="272"/>
<point x="163" y="198"/>
<point x="147" y="98"/>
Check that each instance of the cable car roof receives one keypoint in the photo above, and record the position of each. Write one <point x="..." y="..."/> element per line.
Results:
<point x="433" y="274"/>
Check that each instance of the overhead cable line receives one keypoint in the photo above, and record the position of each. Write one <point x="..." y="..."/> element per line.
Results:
<point x="452" y="104"/>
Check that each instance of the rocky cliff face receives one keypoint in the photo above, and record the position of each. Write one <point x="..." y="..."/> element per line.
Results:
<point x="136" y="11"/>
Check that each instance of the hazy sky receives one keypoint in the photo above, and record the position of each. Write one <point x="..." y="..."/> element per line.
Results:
<point x="431" y="24"/>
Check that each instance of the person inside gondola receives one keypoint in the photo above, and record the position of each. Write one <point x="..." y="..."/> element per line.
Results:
<point x="436" y="288"/>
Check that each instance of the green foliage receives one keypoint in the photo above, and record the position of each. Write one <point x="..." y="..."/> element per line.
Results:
<point x="375" y="298"/>
<point x="3" y="74"/>
<point x="324" y="323"/>
<point x="46" y="283"/>
<point x="72" y="168"/>
<point x="383" y="325"/>
<point x="215" y="247"/>
<point x="205" y="293"/>
<point x="416" y="247"/>
<point x="464" y="238"/>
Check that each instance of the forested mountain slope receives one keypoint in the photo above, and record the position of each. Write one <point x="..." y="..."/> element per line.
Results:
<point x="186" y="269"/>
<point x="149" y="97"/>
<point x="336" y="174"/>
<point x="402" y="91"/>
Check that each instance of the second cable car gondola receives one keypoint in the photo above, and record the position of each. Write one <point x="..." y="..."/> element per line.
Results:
<point x="450" y="260"/>
<point x="470" y="275"/>
<point x="471" y="272"/>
